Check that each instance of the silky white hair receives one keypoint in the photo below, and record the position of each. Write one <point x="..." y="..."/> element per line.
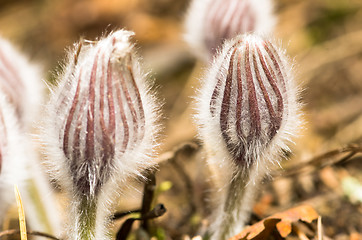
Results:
<point x="13" y="155"/>
<point x="17" y="67"/>
<point x="260" y="152"/>
<point x="127" y="162"/>
<point x="199" y="11"/>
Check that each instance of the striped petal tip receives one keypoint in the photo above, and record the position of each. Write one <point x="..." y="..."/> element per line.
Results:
<point x="101" y="117"/>
<point x="247" y="113"/>
<point x="248" y="104"/>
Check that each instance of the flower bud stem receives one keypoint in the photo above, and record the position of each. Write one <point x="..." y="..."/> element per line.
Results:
<point x="235" y="193"/>
<point x="237" y="205"/>
<point x="86" y="227"/>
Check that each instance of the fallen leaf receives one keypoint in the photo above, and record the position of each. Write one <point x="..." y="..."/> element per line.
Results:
<point x="355" y="236"/>
<point x="281" y="221"/>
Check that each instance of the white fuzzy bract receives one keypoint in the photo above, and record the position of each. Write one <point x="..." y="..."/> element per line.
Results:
<point x="21" y="93"/>
<point x="100" y="127"/>
<point x="12" y="155"/>
<point x="248" y="111"/>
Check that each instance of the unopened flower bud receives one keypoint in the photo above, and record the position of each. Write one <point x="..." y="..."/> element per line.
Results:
<point x="20" y="81"/>
<point x="3" y="135"/>
<point x="210" y="22"/>
<point x="22" y="90"/>
<point x="101" y="119"/>
<point x="12" y="157"/>
<point x="248" y="111"/>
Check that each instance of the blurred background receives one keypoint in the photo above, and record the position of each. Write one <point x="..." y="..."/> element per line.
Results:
<point x="324" y="37"/>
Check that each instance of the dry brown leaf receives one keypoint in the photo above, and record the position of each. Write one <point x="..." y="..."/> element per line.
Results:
<point x="355" y="236"/>
<point x="262" y="206"/>
<point x="282" y="221"/>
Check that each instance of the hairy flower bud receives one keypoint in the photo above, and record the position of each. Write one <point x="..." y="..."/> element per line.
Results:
<point x="248" y="111"/>
<point x="12" y="157"/>
<point x="21" y="90"/>
<point x="3" y="135"/>
<point x="20" y="81"/>
<point x="250" y="97"/>
<point x="101" y="127"/>
<point x="210" y="22"/>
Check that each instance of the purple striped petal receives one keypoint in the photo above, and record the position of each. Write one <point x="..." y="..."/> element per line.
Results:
<point x="20" y="82"/>
<point x="226" y="19"/>
<point x="3" y="137"/>
<point x="10" y="82"/>
<point x="103" y="112"/>
<point x="249" y="96"/>
<point x="210" y="22"/>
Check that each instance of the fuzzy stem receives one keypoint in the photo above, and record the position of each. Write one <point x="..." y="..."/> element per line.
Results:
<point x="237" y="205"/>
<point x="235" y="194"/>
<point x="87" y="213"/>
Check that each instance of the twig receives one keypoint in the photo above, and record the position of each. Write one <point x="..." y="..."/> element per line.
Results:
<point x="33" y="233"/>
<point x="320" y="161"/>
<point x="126" y="227"/>
<point x="148" y="194"/>
<point x="189" y="191"/>
<point x="119" y="215"/>
<point x="189" y="148"/>
<point x="324" y="58"/>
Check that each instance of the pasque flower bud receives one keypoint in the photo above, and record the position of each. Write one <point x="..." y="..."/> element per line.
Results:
<point x="210" y="22"/>
<point x="3" y="135"/>
<point x="12" y="155"/>
<point x="247" y="112"/>
<point x="21" y="82"/>
<point x="100" y="127"/>
<point x="22" y="92"/>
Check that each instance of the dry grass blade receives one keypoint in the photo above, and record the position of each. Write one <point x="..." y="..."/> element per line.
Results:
<point x="320" y="229"/>
<point x="22" y="223"/>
